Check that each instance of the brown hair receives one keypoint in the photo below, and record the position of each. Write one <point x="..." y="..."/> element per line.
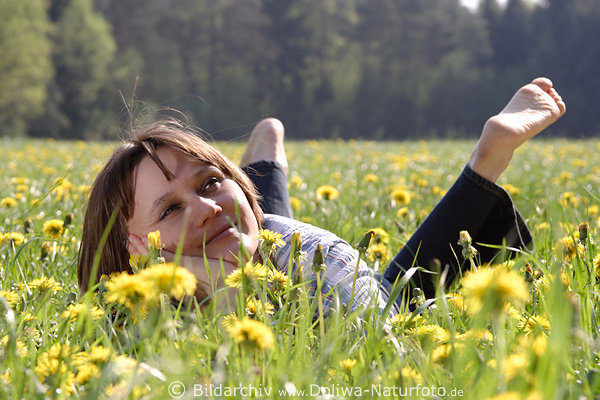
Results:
<point x="114" y="188"/>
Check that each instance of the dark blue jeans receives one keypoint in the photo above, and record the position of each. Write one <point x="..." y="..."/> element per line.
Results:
<point x="473" y="204"/>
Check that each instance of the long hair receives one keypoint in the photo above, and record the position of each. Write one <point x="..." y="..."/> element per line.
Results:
<point x="114" y="188"/>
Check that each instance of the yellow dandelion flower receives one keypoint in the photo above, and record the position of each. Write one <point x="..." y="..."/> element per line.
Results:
<point x="327" y="192"/>
<point x="123" y="366"/>
<point x="534" y="324"/>
<point x="347" y="364"/>
<point x="370" y="178"/>
<point x="6" y="377"/>
<point x="539" y="345"/>
<point x="12" y="297"/>
<point x="73" y="312"/>
<point x="27" y="317"/>
<point x="256" y="306"/>
<point x="295" y="203"/>
<point x="154" y="240"/>
<point x="405" y="320"/>
<point x="596" y="263"/>
<point x="512" y="190"/>
<point x="482" y="336"/>
<point x="86" y="372"/>
<point x="170" y="279"/>
<point x="400" y="196"/>
<point x="278" y="281"/>
<point x="515" y="365"/>
<point x="567" y="249"/>
<point x="45" y="284"/>
<point x="52" y="361"/>
<point x="569" y="199"/>
<point x="14" y="238"/>
<point x="297" y="181"/>
<point x="270" y="240"/>
<point x="378" y="252"/>
<point x="456" y="300"/>
<point x="229" y="320"/>
<point x="578" y="162"/>
<point x="493" y="287"/>
<point x="433" y="333"/>
<point x="542" y="226"/>
<point x="251" y="332"/>
<point x="253" y="273"/>
<point x="99" y="354"/>
<point x="336" y="176"/>
<point x="593" y="210"/>
<point x="21" y="348"/>
<point x="565" y="277"/>
<point x="54" y="228"/>
<point x="126" y="289"/>
<point x="565" y="176"/>
<point x="138" y="261"/>
<point x="8" y="202"/>
<point x="380" y="236"/>
<point x="411" y="375"/>
<point x="444" y="351"/>
<point x="402" y="212"/>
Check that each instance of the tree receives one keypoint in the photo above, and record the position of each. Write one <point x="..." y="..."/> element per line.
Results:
<point x="82" y="54"/>
<point x="25" y="63"/>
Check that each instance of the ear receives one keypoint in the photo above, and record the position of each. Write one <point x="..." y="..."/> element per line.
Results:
<point x="135" y="245"/>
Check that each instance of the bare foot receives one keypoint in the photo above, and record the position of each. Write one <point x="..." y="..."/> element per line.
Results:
<point x="266" y="143"/>
<point x="532" y="109"/>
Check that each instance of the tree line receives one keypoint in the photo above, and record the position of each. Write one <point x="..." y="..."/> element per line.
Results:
<point x="379" y="69"/>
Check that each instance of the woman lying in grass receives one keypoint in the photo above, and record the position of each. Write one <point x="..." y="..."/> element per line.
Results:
<point x="166" y="178"/>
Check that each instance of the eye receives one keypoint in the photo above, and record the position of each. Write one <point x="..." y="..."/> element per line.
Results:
<point x="168" y="211"/>
<point x="211" y="183"/>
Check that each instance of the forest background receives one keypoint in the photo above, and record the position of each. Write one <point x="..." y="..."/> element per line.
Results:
<point x="369" y="69"/>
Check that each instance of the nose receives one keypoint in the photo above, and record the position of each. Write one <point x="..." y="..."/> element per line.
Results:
<point x="203" y="209"/>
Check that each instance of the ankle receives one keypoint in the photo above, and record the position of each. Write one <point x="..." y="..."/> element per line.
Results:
<point x="488" y="162"/>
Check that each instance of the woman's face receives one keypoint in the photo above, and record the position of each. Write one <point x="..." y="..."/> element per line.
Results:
<point x="212" y="209"/>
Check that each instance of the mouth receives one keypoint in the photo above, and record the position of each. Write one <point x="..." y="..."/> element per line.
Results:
<point x="221" y="233"/>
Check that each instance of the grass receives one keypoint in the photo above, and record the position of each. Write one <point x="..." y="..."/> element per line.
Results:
<point x="541" y="342"/>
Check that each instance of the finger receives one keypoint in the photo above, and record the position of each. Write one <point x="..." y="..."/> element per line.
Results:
<point x="135" y="245"/>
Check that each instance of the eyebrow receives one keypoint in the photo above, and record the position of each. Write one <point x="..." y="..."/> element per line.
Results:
<point x="203" y="169"/>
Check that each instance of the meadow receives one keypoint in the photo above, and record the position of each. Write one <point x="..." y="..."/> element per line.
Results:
<point x="526" y="329"/>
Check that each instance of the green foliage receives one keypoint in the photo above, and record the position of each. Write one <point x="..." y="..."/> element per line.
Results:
<point x="380" y="68"/>
<point x="25" y="64"/>
<point x="82" y="54"/>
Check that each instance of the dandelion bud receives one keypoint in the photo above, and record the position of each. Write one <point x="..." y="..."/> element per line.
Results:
<point x="27" y="224"/>
<point x="68" y="219"/>
<point x="365" y="241"/>
<point x="464" y="239"/>
<point x="583" y="232"/>
<point x="154" y="241"/>
<point x="296" y="242"/>
<point x="318" y="263"/>
<point x="154" y="248"/>
<point x="469" y="252"/>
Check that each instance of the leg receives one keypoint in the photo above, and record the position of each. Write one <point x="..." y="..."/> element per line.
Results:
<point x="265" y="163"/>
<point x="475" y="203"/>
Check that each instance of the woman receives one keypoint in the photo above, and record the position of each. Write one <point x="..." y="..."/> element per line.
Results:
<point x="168" y="179"/>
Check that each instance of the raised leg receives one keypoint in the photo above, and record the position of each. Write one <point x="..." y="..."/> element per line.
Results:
<point x="265" y="163"/>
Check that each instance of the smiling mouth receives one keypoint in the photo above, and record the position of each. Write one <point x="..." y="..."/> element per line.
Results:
<point x="222" y="233"/>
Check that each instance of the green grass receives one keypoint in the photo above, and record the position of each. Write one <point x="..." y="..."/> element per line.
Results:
<point x="555" y="184"/>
